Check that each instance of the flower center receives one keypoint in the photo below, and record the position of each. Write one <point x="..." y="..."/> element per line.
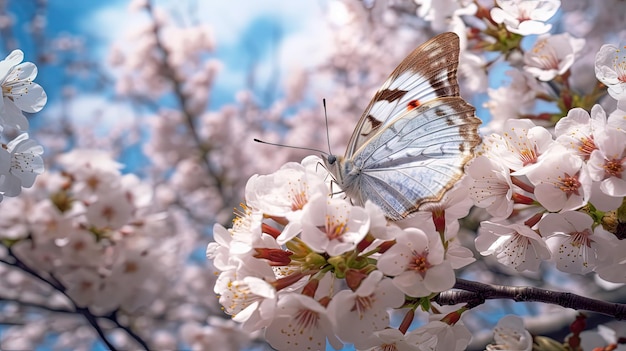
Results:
<point x="614" y="168"/>
<point x="298" y="199"/>
<point x="587" y="146"/>
<point x="620" y="67"/>
<point x="306" y="319"/>
<point x="528" y="156"/>
<point x="420" y="263"/>
<point x="363" y="303"/>
<point x="547" y="57"/>
<point x="334" y="228"/>
<point x="569" y="184"/>
<point x="579" y="239"/>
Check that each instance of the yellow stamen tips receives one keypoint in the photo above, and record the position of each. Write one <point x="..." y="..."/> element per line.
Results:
<point x="614" y="168"/>
<point x="587" y="145"/>
<point x="240" y="214"/>
<point x="420" y="263"/>
<point x="580" y="239"/>
<point x="335" y="228"/>
<point x="298" y="199"/>
<point x="528" y="156"/>
<point x="569" y="184"/>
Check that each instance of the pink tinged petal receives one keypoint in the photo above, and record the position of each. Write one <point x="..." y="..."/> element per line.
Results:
<point x="358" y="315"/>
<point x="595" y="165"/>
<point x="14" y="58"/>
<point x="440" y="277"/>
<point x="10" y="186"/>
<point x="510" y="334"/>
<point x="571" y="241"/>
<point x="601" y="200"/>
<point x="5" y="161"/>
<point x="12" y="116"/>
<point x="611" y="142"/>
<point x="301" y="324"/>
<point x="459" y="256"/>
<point x="490" y="183"/>
<point x="514" y="245"/>
<point x="550" y="197"/>
<point x="576" y="122"/>
<point x="532" y="27"/>
<point x="411" y="284"/>
<point x="610" y="67"/>
<point x="31" y="101"/>
<point x="290" y="231"/>
<point x="498" y="15"/>
<point x="368" y="285"/>
<point x="614" y="187"/>
<point x="395" y="260"/>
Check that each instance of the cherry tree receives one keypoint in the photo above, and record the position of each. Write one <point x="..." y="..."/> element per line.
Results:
<point x="94" y="250"/>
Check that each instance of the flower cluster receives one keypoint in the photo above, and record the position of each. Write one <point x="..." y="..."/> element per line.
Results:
<point x="20" y="158"/>
<point x="100" y="246"/>
<point x="311" y="268"/>
<point x="557" y="195"/>
<point x="88" y="231"/>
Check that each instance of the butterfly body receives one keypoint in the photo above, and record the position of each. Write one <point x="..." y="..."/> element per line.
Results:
<point x="413" y="140"/>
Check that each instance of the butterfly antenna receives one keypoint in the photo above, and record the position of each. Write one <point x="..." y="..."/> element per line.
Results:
<point x="327" y="133"/>
<point x="289" y="146"/>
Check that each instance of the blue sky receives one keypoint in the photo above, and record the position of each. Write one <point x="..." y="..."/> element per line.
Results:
<point x="287" y="33"/>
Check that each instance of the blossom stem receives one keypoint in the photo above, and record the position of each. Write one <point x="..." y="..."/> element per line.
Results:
<point x="406" y="321"/>
<point x="530" y="222"/>
<point x="526" y="187"/>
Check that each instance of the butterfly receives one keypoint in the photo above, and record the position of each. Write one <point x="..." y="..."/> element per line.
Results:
<point x="415" y="136"/>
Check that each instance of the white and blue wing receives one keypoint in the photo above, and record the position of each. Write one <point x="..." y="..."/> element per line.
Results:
<point x="414" y="138"/>
<point x="415" y="159"/>
<point x="427" y="73"/>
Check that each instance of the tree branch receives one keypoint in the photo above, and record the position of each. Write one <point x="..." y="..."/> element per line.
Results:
<point x="476" y="293"/>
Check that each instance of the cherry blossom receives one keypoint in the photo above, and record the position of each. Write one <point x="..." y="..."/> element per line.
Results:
<point x="508" y="103"/>
<point x="25" y="164"/>
<point x="510" y="334"/>
<point x="525" y="17"/>
<point x="576" y="130"/>
<point x="552" y="55"/>
<point x="608" y="162"/>
<point x="521" y="146"/>
<point x="491" y="186"/>
<point x="563" y="183"/>
<point x="253" y="304"/>
<point x="19" y="93"/>
<point x="333" y="226"/>
<point x="301" y="322"/>
<point x="391" y="339"/>
<point x="360" y="313"/>
<point x="284" y="191"/>
<point x="440" y="336"/>
<point x="417" y="263"/>
<point x="614" y="270"/>
<point x="610" y="69"/>
<point x="514" y="245"/>
<point x="575" y="245"/>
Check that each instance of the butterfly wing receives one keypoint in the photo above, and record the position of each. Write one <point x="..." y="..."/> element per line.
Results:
<point x="416" y="158"/>
<point x="425" y="74"/>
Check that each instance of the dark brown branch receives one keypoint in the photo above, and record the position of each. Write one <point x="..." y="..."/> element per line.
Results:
<point x="474" y="294"/>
